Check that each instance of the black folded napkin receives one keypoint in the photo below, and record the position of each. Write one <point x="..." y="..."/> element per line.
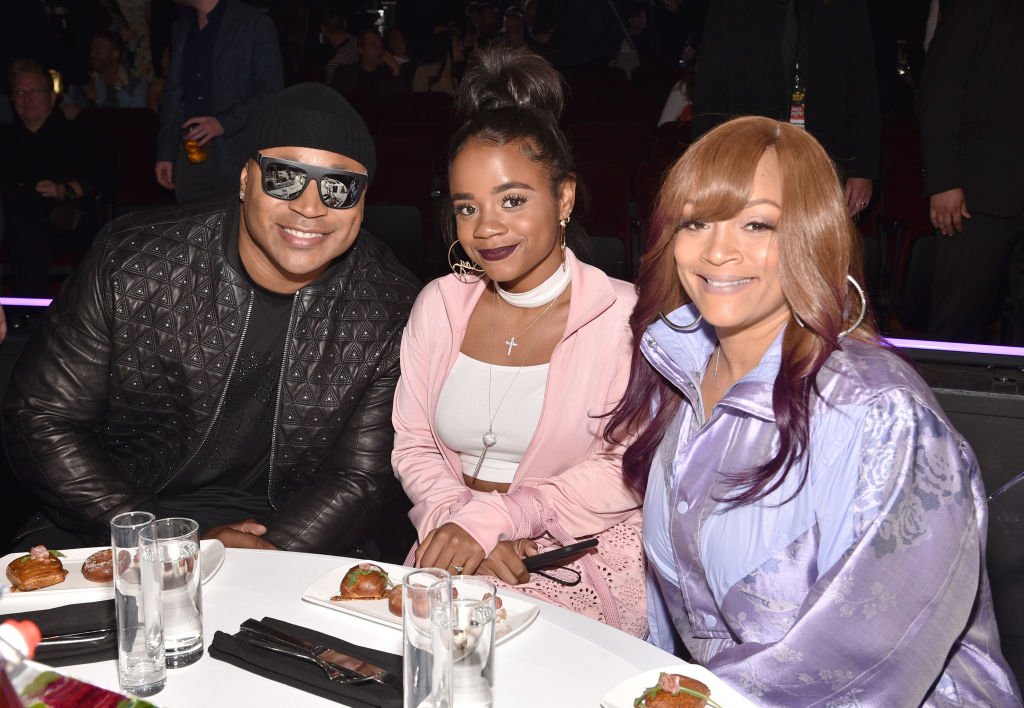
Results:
<point x="307" y="676"/>
<point x="72" y="619"/>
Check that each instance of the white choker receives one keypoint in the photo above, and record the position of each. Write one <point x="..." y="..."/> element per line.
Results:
<point x="544" y="293"/>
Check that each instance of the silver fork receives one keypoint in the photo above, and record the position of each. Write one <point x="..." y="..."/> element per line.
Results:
<point x="335" y="674"/>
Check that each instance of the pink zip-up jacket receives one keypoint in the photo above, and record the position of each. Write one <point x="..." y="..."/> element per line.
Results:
<point x="569" y="482"/>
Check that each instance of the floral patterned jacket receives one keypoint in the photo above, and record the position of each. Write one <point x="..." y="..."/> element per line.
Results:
<point x="866" y="588"/>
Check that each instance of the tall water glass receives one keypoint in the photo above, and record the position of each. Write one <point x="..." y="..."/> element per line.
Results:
<point x="140" y="640"/>
<point x="472" y="637"/>
<point x="426" y="650"/>
<point x="177" y="544"/>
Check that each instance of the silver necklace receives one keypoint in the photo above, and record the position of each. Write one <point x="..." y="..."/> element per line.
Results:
<point x="489" y="439"/>
<point x="714" y="372"/>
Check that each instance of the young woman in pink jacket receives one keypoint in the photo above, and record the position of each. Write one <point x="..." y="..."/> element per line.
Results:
<point x="510" y="364"/>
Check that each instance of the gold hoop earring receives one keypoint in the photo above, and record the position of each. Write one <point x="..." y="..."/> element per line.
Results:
<point x="860" y="318"/>
<point x="464" y="269"/>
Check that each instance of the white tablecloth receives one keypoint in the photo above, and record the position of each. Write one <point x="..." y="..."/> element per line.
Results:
<point x="562" y="659"/>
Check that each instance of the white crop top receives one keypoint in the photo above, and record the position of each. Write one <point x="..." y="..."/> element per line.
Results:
<point x="461" y="416"/>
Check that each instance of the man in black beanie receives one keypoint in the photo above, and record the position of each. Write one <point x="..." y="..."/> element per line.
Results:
<point x="230" y="362"/>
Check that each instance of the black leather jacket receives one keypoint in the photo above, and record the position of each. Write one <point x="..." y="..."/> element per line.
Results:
<point x="119" y="385"/>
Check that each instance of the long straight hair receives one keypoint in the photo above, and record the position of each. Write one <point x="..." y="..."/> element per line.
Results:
<point x="818" y="247"/>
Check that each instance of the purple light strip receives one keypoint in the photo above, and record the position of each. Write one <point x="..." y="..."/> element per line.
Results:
<point x="26" y="301"/>
<point x="957" y="347"/>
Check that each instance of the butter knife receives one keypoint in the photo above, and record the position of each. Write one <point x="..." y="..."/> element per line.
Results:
<point x="331" y="656"/>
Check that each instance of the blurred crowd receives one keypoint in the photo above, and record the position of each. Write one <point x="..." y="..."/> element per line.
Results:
<point x="849" y="71"/>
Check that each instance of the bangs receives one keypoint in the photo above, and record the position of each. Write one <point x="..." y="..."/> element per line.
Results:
<point x="714" y="178"/>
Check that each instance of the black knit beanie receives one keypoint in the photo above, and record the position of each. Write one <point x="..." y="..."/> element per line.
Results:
<point x="313" y="116"/>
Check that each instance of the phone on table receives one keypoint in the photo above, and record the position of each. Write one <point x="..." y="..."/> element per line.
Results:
<point x="550" y="559"/>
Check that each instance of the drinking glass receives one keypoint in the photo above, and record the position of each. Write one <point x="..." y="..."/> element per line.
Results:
<point x="194" y="152"/>
<point x="177" y="546"/>
<point x="426" y="633"/>
<point x="140" y="640"/>
<point x="472" y="638"/>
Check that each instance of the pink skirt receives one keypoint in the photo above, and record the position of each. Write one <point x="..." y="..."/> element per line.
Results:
<point x="618" y="565"/>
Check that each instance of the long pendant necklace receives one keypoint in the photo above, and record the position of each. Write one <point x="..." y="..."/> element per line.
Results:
<point x="511" y="342"/>
<point x="489" y="439"/>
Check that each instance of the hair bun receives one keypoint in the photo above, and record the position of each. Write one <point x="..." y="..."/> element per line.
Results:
<point x="503" y="76"/>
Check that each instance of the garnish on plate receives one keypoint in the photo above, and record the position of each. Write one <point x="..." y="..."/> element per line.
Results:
<point x="675" y="691"/>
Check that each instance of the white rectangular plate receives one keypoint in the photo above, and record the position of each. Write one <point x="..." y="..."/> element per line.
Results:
<point x="76" y="588"/>
<point x="623" y="695"/>
<point x="520" y="612"/>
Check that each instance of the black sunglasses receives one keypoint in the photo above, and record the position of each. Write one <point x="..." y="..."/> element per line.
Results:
<point x="287" y="179"/>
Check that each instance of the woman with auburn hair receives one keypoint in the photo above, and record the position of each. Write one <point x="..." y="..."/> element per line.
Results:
<point x="510" y="365"/>
<point x="815" y="527"/>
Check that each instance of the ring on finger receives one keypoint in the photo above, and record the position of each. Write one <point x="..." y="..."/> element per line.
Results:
<point x="457" y="568"/>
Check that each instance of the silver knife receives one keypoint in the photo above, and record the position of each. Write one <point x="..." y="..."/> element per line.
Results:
<point x="331" y="656"/>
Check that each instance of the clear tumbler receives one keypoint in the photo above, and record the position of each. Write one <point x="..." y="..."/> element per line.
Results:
<point x="141" y="669"/>
<point x="426" y="629"/>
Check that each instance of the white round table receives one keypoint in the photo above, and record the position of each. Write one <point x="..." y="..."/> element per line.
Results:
<point x="562" y="659"/>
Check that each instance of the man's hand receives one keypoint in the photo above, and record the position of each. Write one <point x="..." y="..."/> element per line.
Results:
<point x="506" y="561"/>
<point x="396" y="68"/>
<point x="451" y="548"/>
<point x="244" y="534"/>
<point x="858" y="194"/>
<point x="948" y="210"/>
<point x="51" y="189"/>
<point x="205" y="128"/>
<point x="165" y="174"/>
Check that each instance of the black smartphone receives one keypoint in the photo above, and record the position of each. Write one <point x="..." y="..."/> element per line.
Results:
<point x="550" y="559"/>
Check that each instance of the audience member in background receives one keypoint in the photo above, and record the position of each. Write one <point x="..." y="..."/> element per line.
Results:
<point x="109" y="85"/>
<point x="971" y="107"/>
<point x="748" y="66"/>
<point x="513" y="28"/>
<point x="53" y="171"/>
<point x="509" y="363"/>
<point x="678" y="106"/>
<point x="225" y="62"/>
<point x="233" y="362"/>
<point x="343" y="43"/>
<point x="538" y="35"/>
<point x="131" y="22"/>
<point x="377" y="74"/>
<point x="395" y="44"/>
<point x="814" y="525"/>
<point x="443" y="65"/>
<point x="482" y="24"/>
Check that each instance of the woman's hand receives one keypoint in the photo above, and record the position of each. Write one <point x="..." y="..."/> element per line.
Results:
<point x="450" y="548"/>
<point x="506" y="561"/>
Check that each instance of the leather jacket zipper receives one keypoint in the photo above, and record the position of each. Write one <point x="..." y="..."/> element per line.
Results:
<point x="220" y="401"/>
<point x="277" y="403"/>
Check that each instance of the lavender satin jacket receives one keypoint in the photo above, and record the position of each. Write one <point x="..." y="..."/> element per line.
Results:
<point x="868" y="588"/>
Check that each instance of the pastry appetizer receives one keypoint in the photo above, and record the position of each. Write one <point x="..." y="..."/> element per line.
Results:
<point x="365" y="581"/>
<point x="675" y="691"/>
<point x="99" y="567"/>
<point x="395" y="600"/>
<point x="41" y="568"/>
